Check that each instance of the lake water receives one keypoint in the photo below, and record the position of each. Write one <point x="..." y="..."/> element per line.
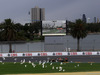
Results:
<point x="90" y="43"/>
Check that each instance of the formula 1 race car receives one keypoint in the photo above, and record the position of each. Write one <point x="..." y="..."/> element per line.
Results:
<point x="61" y="59"/>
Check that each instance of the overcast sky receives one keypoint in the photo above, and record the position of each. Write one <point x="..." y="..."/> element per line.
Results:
<point x="18" y="10"/>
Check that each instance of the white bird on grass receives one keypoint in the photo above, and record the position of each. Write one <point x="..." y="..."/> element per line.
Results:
<point x="63" y="70"/>
<point x="50" y="63"/>
<point x="14" y="62"/>
<point x="29" y="62"/>
<point x="53" y="67"/>
<point x="42" y="66"/>
<point x="40" y="62"/>
<point x="3" y="58"/>
<point x="56" y="67"/>
<point x="60" y="68"/>
<point x="78" y="65"/>
<point x="25" y="65"/>
<point x="61" y="63"/>
<point x="1" y="61"/>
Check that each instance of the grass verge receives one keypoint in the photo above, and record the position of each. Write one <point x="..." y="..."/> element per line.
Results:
<point x="18" y="68"/>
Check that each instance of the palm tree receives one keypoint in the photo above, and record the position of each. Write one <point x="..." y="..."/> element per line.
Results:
<point x="78" y="31"/>
<point x="9" y="32"/>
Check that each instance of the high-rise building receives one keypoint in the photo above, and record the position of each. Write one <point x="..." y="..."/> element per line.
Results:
<point x="88" y="20"/>
<point x="37" y="14"/>
<point x="95" y="20"/>
<point x="84" y="18"/>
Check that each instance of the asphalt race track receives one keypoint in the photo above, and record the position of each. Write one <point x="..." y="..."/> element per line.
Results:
<point x="95" y="59"/>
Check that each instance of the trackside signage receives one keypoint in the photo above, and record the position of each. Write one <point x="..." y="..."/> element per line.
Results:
<point x="28" y="54"/>
<point x="87" y="53"/>
<point x="14" y="54"/>
<point x="73" y="53"/>
<point x="0" y="55"/>
<point x="47" y="54"/>
<point x="59" y="54"/>
<point x="43" y="54"/>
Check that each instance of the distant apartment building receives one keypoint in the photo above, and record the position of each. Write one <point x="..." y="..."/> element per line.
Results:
<point x="88" y="20"/>
<point x="95" y="21"/>
<point x="84" y="18"/>
<point x="37" y="14"/>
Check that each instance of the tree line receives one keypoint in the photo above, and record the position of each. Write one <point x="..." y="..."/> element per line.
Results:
<point x="90" y="27"/>
<point x="10" y="31"/>
<point x="93" y="27"/>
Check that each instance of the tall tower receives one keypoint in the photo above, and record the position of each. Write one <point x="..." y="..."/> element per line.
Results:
<point x="37" y="14"/>
<point x="84" y="18"/>
<point x="95" y="20"/>
<point x="88" y="20"/>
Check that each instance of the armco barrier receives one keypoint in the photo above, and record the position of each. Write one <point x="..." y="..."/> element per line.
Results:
<point x="47" y="54"/>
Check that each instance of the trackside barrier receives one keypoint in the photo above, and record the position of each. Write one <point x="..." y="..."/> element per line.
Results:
<point x="47" y="54"/>
<point x="0" y="55"/>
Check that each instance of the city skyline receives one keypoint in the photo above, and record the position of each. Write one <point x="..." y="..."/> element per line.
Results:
<point x="55" y="9"/>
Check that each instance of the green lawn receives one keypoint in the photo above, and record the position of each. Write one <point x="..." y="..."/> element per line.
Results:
<point x="11" y="68"/>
